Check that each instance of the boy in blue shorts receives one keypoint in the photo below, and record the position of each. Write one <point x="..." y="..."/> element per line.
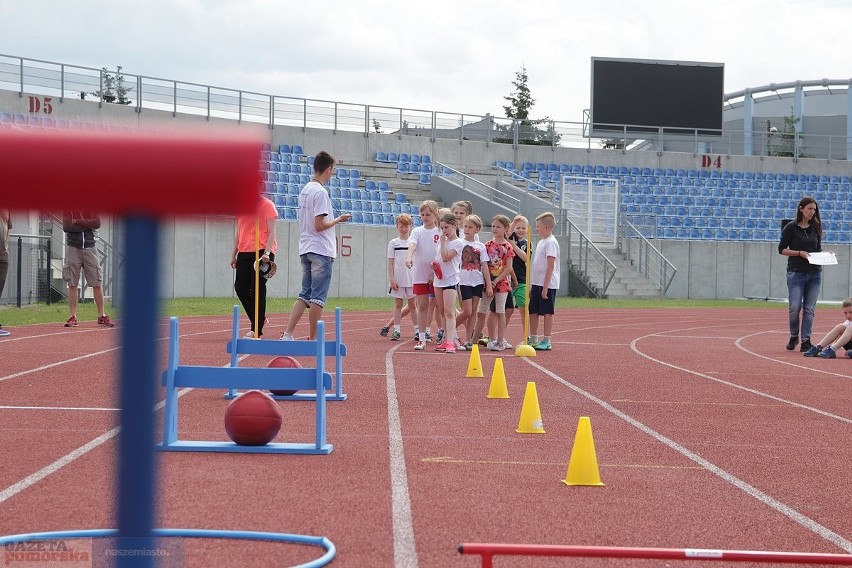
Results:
<point x="317" y="246"/>
<point x="544" y="280"/>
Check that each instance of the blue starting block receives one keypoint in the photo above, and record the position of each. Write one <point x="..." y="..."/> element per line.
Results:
<point x="178" y="376"/>
<point x="250" y="346"/>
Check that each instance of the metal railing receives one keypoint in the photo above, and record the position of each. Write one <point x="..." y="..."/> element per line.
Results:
<point x="63" y="81"/>
<point x="583" y="256"/>
<point x="644" y="256"/>
<point x="31" y="268"/>
<point x="479" y="188"/>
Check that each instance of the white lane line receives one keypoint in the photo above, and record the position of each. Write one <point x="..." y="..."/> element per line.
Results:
<point x="786" y="510"/>
<point x="56" y="408"/>
<point x="733" y="385"/>
<point x="404" y="550"/>
<point x="739" y="345"/>
<point x="56" y="364"/>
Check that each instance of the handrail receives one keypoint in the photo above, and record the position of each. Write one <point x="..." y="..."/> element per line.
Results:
<point x="584" y="256"/>
<point x="478" y="187"/>
<point x="645" y="256"/>
<point x="50" y="78"/>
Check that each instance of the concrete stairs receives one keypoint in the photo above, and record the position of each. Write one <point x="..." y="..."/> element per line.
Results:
<point x="628" y="282"/>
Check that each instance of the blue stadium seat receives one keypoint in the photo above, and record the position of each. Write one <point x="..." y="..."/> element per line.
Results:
<point x="425" y="179"/>
<point x="354" y="174"/>
<point x="427" y="159"/>
<point x="414" y="168"/>
<point x="393" y="157"/>
<point x="284" y="149"/>
<point x="500" y="164"/>
<point x="415" y="158"/>
<point x="400" y="198"/>
<point x="297" y="150"/>
<point x="405" y="158"/>
<point x="403" y="167"/>
<point x="370" y="185"/>
<point x="381" y="157"/>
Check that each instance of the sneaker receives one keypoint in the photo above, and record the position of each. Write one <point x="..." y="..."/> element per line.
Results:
<point x="794" y="340"/>
<point x="395" y="336"/>
<point x="419" y="346"/>
<point x="104" y="320"/>
<point x="384" y="331"/>
<point x="4" y="333"/>
<point x="468" y="346"/>
<point x="813" y="351"/>
<point x="849" y="353"/>
<point x="494" y="346"/>
<point x="286" y="336"/>
<point x="542" y="346"/>
<point x="459" y="345"/>
<point x="440" y="337"/>
<point x="72" y="322"/>
<point x="483" y="340"/>
<point x="441" y="346"/>
<point x="250" y="335"/>
<point x="827" y="353"/>
<point x="428" y="337"/>
<point x="449" y="347"/>
<point x="506" y="345"/>
<point x="806" y="344"/>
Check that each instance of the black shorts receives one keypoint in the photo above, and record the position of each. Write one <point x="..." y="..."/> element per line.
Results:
<point x="469" y="292"/>
<point x="540" y="306"/>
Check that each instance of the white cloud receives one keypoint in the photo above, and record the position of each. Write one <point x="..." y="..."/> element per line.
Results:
<point x="444" y="55"/>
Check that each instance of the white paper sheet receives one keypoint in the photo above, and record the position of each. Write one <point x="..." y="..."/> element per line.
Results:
<point x="822" y="258"/>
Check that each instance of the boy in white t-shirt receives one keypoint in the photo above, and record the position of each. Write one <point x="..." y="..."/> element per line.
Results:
<point x="421" y="254"/>
<point x="544" y="277"/>
<point x="400" y="277"/>
<point x="839" y="336"/>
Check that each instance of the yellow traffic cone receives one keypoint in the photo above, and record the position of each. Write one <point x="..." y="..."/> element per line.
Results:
<point x="498" y="387"/>
<point x="583" y="466"/>
<point x="474" y="365"/>
<point x="530" y="422"/>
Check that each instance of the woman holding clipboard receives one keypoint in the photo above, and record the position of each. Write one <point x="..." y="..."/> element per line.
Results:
<point x="799" y="238"/>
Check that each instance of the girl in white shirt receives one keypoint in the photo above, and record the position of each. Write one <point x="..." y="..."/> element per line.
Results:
<point x="447" y="267"/>
<point x="421" y="254"/>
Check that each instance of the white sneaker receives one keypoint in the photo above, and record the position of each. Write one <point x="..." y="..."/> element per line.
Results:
<point x="506" y="345"/>
<point x="460" y="346"/>
<point x="286" y="337"/>
<point x="419" y="346"/>
<point x="493" y="346"/>
<point x="249" y="334"/>
<point x="4" y="333"/>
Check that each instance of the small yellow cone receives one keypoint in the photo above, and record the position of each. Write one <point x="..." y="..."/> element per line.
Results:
<point x="474" y="365"/>
<point x="530" y="421"/>
<point x="583" y="466"/>
<point x="498" y="388"/>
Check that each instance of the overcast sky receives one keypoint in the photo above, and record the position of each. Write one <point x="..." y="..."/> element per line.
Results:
<point x="447" y="55"/>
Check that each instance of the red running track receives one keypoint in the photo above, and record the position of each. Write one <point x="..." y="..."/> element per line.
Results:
<point x="708" y="435"/>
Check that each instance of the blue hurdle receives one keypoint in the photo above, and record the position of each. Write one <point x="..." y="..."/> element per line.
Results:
<point x="250" y="346"/>
<point x="177" y="376"/>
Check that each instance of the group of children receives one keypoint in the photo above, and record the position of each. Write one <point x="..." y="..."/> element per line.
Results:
<point x="443" y="261"/>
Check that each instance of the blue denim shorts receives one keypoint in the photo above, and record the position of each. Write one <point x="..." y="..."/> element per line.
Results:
<point x="316" y="278"/>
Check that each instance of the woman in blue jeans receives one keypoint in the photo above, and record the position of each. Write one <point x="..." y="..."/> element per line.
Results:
<point x="798" y="239"/>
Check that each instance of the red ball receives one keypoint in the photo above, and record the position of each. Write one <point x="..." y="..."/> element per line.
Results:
<point x="252" y="419"/>
<point x="284" y="363"/>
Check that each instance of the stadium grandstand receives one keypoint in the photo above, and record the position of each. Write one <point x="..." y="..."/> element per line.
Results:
<point x="682" y="215"/>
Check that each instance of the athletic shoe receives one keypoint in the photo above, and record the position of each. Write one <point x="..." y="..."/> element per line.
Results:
<point x="506" y="345"/>
<point x="494" y="346"/>
<point x="250" y="335"/>
<point x="440" y="338"/>
<point x="419" y="346"/>
<point x="849" y="353"/>
<point x="813" y="351"/>
<point x="483" y="340"/>
<point x="806" y="344"/>
<point x="395" y="336"/>
<point x="286" y="336"/>
<point x="72" y="322"/>
<point x="542" y="346"/>
<point x="442" y="346"/>
<point x="104" y="320"/>
<point x="384" y="331"/>
<point x="827" y="353"/>
<point x="460" y="346"/>
<point x="794" y="340"/>
<point x="4" y="333"/>
<point x="428" y="337"/>
<point x="449" y="347"/>
<point x="468" y="346"/>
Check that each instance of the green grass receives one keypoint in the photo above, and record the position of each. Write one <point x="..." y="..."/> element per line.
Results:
<point x="42" y="313"/>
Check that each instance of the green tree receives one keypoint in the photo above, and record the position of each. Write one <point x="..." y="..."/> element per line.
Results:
<point x="377" y="126"/>
<point x="534" y="132"/>
<point x="113" y="88"/>
<point x="782" y="144"/>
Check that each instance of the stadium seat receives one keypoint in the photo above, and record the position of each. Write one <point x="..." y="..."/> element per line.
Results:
<point x="414" y="168"/>
<point x="500" y="164"/>
<point x="381" y="157"/>
<point x="370" y="185"/>
<point x="425" y="179"/>
<point x="284" y="149"/>
<point x="354" y="174"/>
<point x="393" y="157"/>
<point x="400" y="198"/>
<point x="403" y="167"/>
<point x="404" y="158"/>
<point x="427" y="159"/>
<point x="415" y="158"/>
<point x="297" y="150"/>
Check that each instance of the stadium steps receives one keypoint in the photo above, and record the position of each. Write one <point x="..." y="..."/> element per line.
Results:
<point x="628" y="282"/>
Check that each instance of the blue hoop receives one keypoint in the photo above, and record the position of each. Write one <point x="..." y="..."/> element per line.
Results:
<point x="325" y="543"/>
